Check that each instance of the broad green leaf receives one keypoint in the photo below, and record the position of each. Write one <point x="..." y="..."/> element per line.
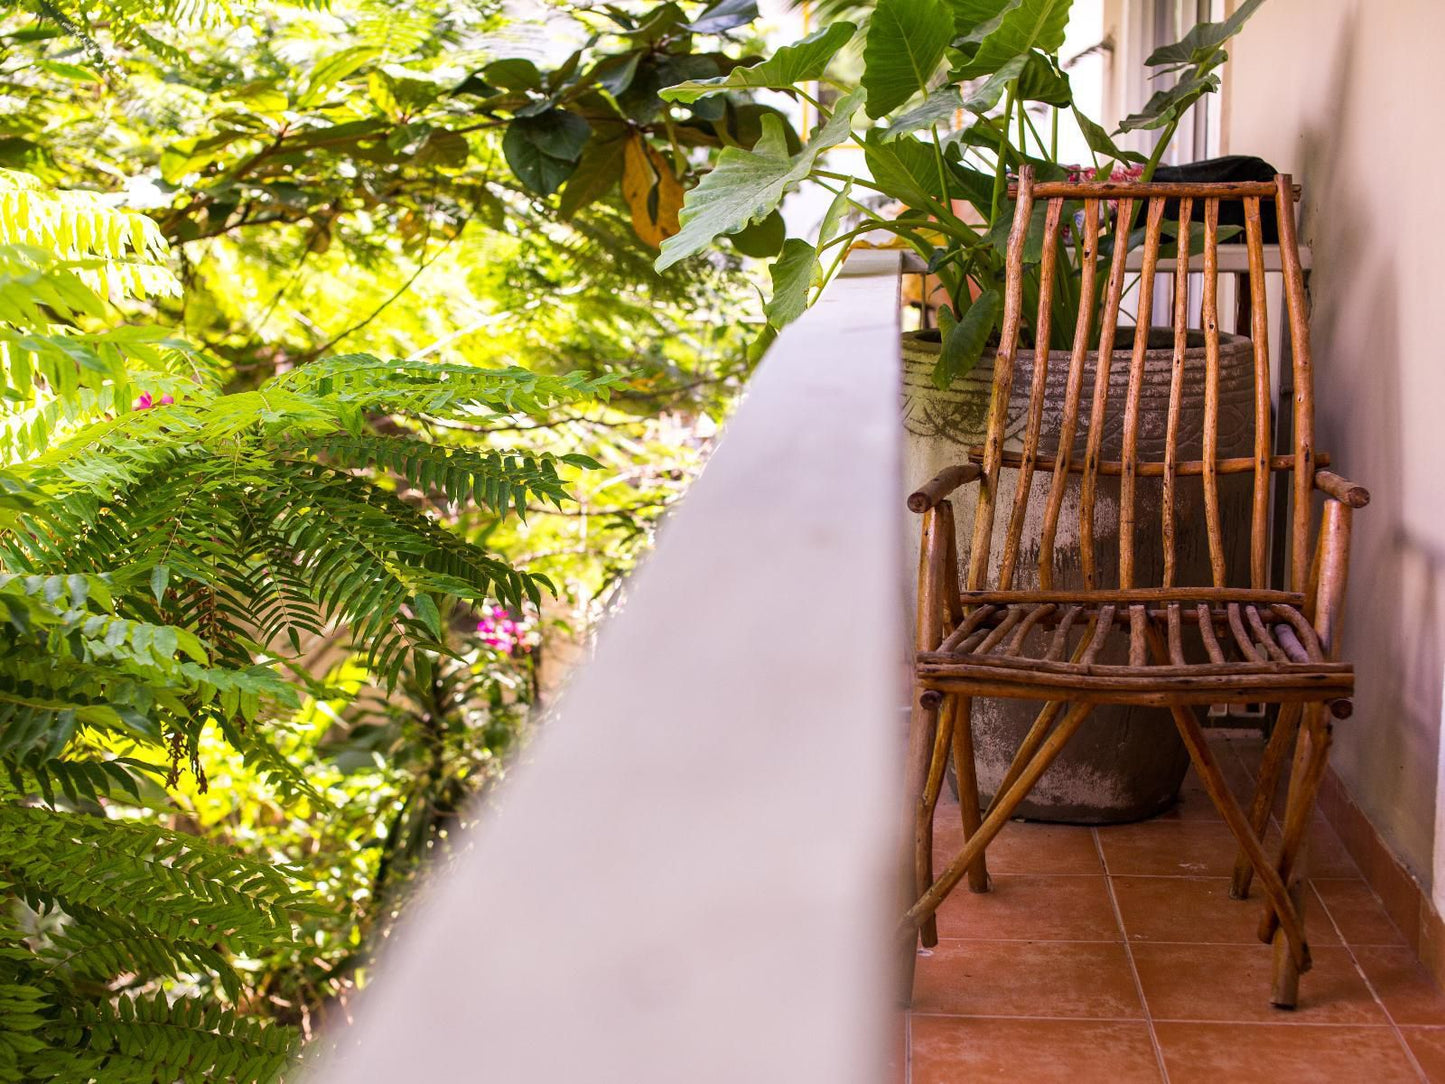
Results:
<point x="906" y="169"/>
<point x="615" y="73"/>
<point x="1029" y="25"/>
<point x="974" y="19"/>
<point x="746" y="186"/>
<point x="833" y="217"/>
<point x="793" y="275"/>
<point x="762" y="240"/>
<point x="963" y="344"/>
<point x="800" y="62"/>
<point x="1040" y="81"/>
<point x="1199" y="46"/>
<point x="724" y="15"/>
<point x="1099" y="141"/>
<point x="598" y="170"/>
<point x="941" y="105"/>
<point x="540" y="172"/>
<point x="1168" y="105"/>
<point x="985" y="97"/>
<point x="556" y="132"/>
<point x="906" y="40"/>
<point x="513" y="73"/>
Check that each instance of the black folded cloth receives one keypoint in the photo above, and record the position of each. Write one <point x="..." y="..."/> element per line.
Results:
<point x="1231" y="167"/>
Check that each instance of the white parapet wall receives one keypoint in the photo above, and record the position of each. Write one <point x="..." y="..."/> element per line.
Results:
<point x="693" y="876"/>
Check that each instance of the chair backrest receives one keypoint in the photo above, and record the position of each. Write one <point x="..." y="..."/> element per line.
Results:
<point x="1086" y="423"/>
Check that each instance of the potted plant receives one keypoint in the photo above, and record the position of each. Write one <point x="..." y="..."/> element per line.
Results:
<point x="954" y="96"/>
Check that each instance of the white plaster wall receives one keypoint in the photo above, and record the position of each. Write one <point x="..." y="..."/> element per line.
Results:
<point x="1347" y="94"/>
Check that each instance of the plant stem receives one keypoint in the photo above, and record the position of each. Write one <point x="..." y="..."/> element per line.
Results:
<point x="1000" y="173"/>
<point x="1159" y="149"/>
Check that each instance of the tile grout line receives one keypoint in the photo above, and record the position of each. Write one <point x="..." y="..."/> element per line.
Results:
<point x="1129" y="956"/>
<point x="1370" y="986"/>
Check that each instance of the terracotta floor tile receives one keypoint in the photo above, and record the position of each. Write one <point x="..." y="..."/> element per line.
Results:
<point x="1169" y="848"/>
<point x="1032" y="908"/>
<point x="1428" y="1046"/>
<point x="1231" y="983"/>
<point x="1326" y="856"/>
<point x="1358" y="912"/>
<point x="1026" y="978"/>
<point x="1267" y="1054"/>
<point x="957" y="1050"/>
<point x="1021" y="847"/>
<point x="1197" y="910"/>
<point x="1403" y="984"/>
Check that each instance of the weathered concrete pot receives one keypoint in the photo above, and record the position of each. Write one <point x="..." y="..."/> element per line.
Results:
<point x="1128" y="762"/>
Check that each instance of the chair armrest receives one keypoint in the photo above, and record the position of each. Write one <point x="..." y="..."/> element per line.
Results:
<point x="1331" y="572"/>
<point x="941" y="485"/>
<point x="1341" y="489"/>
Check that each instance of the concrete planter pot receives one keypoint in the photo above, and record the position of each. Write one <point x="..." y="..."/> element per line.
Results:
<point x="1128" y="762"/>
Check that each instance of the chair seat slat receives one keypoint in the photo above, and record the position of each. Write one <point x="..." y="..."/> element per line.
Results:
<point x="1060" y="641"/>
<point x="1205" y="617"/>
<point x="1241" y="638"/>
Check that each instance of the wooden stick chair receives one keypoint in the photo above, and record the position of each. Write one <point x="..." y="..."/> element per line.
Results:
<point x="1263" y="645"/>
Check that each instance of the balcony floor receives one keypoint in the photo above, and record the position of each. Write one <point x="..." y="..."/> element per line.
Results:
<point x="1115" y="954"/>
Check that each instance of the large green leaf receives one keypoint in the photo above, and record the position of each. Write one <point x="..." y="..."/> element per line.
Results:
<point x="963" y="341"/>
<point x="793" y="275"/>
<point x="941" y="105"/>
<point x="986" y="96"/>
<point x="724" y="15"/>
<point x="598" y="170"/>
<point x="762" y="240"/>
<point x="792" y="64"/>
<point x="974" y="19"/>
<point x="541" y="172"/>
<point x="1169" y="105"/>
<point x="906" y="40"/>
<point x="1041" y="81"/>
<point x="1029" y="25"/>
<point x="905" y="169"/>
<point x="748" y="185"/>
<point x="1201" y="44"/>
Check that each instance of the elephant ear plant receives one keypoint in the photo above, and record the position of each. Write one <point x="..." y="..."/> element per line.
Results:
<point x="953" y="96"/>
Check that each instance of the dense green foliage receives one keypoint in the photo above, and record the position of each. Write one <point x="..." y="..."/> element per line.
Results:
<point x="945" y="108"/>
<point x="310" y="462"/>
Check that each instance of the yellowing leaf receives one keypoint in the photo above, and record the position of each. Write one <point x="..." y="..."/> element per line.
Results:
<point x="651" y="190"/>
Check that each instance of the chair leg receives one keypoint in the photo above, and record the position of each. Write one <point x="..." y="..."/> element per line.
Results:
<point x="928" y="804"/>
<point x="965" y="767"/>
<point x="998" y="816"/>
<point x="1311" y="758"/>
<point x="1284" y="986"/>
<point x="1229" y="809"/>
<point x="1267" y="783"/>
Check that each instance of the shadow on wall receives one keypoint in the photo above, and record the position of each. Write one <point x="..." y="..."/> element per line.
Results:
<point x="1387" y="754"/>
